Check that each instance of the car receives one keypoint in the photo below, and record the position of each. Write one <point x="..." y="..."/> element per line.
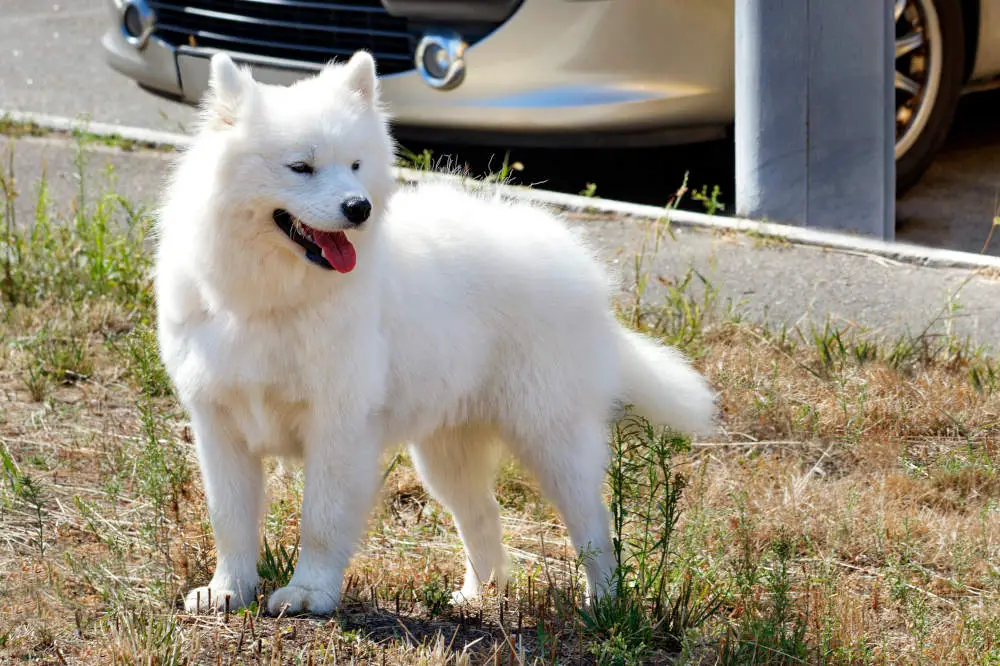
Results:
<point x="543" y="73"/>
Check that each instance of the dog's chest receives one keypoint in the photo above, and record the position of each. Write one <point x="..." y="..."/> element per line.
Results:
<point x="269" y="424"/>
<point x="222" y="355"/>
<point x="330" y="361"/>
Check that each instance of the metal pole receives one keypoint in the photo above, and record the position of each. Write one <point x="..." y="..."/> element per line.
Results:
<point x="815" y="132"/>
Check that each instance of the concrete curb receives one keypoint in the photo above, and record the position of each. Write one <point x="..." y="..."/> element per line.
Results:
<point x="902" y="252"/>
<point x="69" y="125"/>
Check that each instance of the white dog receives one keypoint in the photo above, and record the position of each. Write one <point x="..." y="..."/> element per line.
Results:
<point x="306" y="309"/>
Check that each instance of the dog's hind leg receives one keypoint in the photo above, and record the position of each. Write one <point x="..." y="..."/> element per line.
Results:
<point x="569" y="460"/>
<point x="458" y="466"/>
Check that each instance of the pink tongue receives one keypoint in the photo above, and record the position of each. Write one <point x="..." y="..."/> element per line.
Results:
<point x="337" y="250"/>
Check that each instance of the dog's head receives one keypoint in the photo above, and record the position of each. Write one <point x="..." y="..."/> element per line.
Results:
<point x="312" y="162"/>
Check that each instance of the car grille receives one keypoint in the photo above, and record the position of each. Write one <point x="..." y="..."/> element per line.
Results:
<point x="306" y="31"/>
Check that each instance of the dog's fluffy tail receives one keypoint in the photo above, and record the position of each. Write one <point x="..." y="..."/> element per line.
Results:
<point x="661" y="385"/>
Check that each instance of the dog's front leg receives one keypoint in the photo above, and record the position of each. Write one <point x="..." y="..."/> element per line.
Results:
<point x="341" y="481"/>
<point x="234" y="489"/>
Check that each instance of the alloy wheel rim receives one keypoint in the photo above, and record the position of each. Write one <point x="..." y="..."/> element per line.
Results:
<point x="918" y="68"/>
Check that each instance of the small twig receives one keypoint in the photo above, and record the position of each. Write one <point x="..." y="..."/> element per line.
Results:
<point x="801" y="483"/>
<point x="243" y="631"/>
<point x="773" y="442"/>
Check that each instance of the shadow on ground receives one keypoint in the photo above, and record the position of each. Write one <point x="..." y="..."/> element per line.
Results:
<point x="954" y="205"/>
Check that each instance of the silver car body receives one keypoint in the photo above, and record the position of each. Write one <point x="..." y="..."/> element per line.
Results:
<point x="555" y="72"/>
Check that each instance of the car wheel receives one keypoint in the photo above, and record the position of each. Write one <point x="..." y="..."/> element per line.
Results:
<point x="930" y="67"/>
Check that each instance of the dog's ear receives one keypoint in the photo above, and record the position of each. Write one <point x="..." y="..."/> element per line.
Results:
<point x="359" y="73"/>
<point x="229" y="87"/>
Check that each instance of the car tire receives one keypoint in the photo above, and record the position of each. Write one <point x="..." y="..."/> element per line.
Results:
<point x="930" y="73"/>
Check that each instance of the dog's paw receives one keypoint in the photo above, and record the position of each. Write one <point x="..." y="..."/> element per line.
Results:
<point x="294" y="599"/>
<point x="466" y="595"/>
<point x="212" y="598"/>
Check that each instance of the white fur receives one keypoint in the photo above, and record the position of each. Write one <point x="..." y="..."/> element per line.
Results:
<point x="468" y="321"/>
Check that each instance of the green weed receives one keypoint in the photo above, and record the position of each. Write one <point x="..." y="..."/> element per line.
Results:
<point x="99" y="253"/>
<point x="422" y="161"/>
<point x="140" y="636"/>
<point x="26" y="491"/>
<point x="710" y="201"/>
<point x="656" y="600"/>
<point x="435" y="594"/>
<point x="506" y="172"/>
<point x="276" y="565"/>
<point x="769" y="630"/>
<point x="162" y="473"/>
<point x="145" y="366"/>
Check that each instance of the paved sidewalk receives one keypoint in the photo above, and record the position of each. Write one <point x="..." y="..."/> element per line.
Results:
<point x="765" y="279"/>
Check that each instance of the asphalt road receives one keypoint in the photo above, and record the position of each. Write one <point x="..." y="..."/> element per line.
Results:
<point x="51" y="62"/>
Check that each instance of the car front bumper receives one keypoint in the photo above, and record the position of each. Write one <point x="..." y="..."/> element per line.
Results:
<point x="574" y="72"/>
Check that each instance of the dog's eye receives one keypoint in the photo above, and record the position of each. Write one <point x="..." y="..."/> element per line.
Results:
<point x="356" y="165"/>
<point x="301" y="167"/>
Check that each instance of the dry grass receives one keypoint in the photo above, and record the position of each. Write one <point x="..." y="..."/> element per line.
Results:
<point x="848" y="514"/>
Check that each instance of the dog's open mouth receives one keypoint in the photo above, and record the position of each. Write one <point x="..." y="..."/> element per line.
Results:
<point x="328" y="249"/>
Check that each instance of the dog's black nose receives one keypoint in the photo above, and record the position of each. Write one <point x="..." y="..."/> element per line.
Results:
<point x="356" y="209"/>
